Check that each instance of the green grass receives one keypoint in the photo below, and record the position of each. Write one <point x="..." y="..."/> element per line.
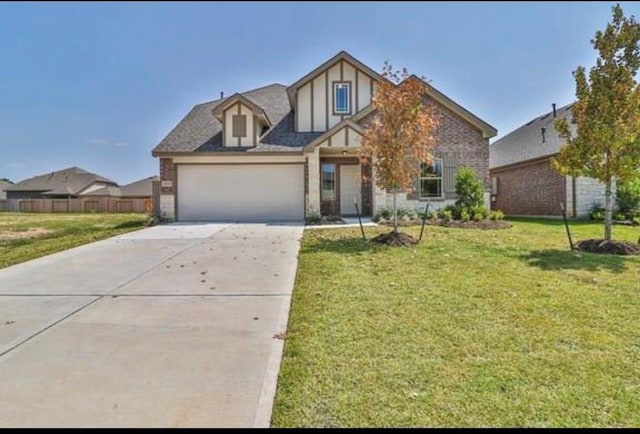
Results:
<point x="68" y="230"/>
<point x="499" y="328"/>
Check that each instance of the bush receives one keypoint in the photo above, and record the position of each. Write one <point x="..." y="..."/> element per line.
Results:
<point x="628" y="197"/>
<point x="383" y="214"/>
<point x="469" y="189"/>
<point x="597" y="212"/>
<point x="405" y="212"/>
<point x="464" y="215"/>
<point x="447" y="215"/>
<point x="635" y="220"/>
<point x="454" y="210"/>
<point x="619" y="217"/>
<point x="313" y="218"/>
<point x="496" y="215"/>
<point x="479" y="212"/>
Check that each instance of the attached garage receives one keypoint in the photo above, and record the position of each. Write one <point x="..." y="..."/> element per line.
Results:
<point x="240" y="192"/>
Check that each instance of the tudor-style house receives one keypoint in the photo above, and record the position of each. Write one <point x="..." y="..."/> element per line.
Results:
<point x="283" y="152"/>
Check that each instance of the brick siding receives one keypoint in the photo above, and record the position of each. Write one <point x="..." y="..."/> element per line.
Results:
<point x="533" y="188"/>
<point x="167" y="173"/>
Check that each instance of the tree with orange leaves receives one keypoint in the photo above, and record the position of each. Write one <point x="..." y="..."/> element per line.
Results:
<point x="401" y="134"/>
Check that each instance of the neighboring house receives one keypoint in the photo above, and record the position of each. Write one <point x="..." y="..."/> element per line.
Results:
<point x="141" y="189"/>
<point x="68" y="183"/>
<point x="3" y="186"/>
<point x="284" y="152"/>
<point x="524" y="182"/>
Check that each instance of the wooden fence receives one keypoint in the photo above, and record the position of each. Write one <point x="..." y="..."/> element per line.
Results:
<point x="85" y="204"/>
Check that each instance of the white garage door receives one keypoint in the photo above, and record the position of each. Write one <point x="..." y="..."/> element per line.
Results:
<point x="258" y="192"/>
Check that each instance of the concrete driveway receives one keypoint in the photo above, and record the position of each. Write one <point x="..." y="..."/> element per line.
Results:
<point x="170" y="326"/>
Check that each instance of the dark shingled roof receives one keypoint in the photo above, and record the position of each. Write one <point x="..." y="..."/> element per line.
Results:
<point x="69" y="181"/>
<point x="200" y="131"/>
<point x="139" y="188"/>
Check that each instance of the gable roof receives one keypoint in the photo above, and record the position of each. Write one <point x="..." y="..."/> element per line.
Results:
<point x="142" y="187"/>
<point x="70" y="181"/>
<point x="342" y="55"/>
<point x="4" y="184"/>
<point x="488" y="130"/>
<point x="219" y="109"/>
<point x="525" y="142"/>
<point x="347" y="123"/>
<point x="200" y="131"/>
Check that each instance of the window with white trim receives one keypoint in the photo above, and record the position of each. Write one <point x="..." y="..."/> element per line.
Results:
<point x="431" y="179"/>
<point x="341" y="95"/>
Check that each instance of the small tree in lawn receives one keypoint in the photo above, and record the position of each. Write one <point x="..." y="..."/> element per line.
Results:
<point x="606" y="143"/>
<point x="401" y="134"/>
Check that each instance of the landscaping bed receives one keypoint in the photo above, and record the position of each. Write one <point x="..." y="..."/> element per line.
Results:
<point x="611" y="247"/>
<point x="470" y="224"/>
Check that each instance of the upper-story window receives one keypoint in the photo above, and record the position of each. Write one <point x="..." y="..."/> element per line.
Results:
<point x="341" y="96"/>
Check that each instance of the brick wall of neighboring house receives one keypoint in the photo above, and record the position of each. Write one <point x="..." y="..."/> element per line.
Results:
<point x="459" y="144"/>
<point x="530" y="188"/>
<point x="167" y="193"/>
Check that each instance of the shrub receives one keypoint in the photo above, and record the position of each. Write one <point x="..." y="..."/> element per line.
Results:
<point x="496" y="215"/>
<point x="479" y="212"/>
<point x="383" y="214"/>
<point x="453" y="210"/>
<point x="464" y="215"/>
<point x="469" y="189"/>
<point x="313" y="218"/>
<point x="619" y="217"/>
<point x="628" y="197"/>
<point x="406" y="212"/>
<point x="635" y="220"/>
<point x="447" y="215"/>
<point x="597" y="212"/>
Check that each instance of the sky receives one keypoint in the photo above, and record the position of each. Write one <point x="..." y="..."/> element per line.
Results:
<point x="98" y="85"/>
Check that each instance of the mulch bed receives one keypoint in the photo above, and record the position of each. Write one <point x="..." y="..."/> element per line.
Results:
<point x="396" y="239"/>
<point x="482" y="224"/>
<point x="613" y="247"/>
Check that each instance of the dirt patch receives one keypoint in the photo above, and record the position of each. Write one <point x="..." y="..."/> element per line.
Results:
<point x="482" y="224"/>
<point x="21" y="235"/>
<point x="613" y="247"/>
<point x="395" y="239"/>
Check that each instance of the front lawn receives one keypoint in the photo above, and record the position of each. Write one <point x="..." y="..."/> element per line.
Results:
<point x="25" y="236"/>
<point x="498" y="328"/>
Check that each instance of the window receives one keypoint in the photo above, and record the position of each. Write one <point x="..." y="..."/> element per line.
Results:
<point x="328" y="181"/>
<point x="239" y="127"/>
<point x="341" y="94"/>
<point x="431" y="179"/>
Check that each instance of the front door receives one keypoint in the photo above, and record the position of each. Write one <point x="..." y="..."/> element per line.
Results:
<point x="350" y="189"/>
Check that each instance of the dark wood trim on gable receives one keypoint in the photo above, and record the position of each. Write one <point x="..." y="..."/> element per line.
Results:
<point x="357" y="105"/>
<point x="312" y="120"/>
<point x="239" y="113"/>
<point x="327" y="101"/>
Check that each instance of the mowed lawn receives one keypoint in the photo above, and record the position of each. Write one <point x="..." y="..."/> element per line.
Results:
<point x="499" y="328"/>
<point x="25" y="236"/>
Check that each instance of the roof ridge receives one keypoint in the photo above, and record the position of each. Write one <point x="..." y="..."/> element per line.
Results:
<point x="539" y="117"/>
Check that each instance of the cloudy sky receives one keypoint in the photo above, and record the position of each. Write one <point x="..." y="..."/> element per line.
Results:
<point x="98" y="85"/>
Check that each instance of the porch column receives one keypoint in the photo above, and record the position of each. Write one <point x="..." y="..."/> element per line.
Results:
<point x="379" y="195"/>
<point x="313" y="179"/>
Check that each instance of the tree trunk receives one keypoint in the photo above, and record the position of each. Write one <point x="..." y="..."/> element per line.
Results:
<point x="608" y="210"/>
<point x="395" y="211"/>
